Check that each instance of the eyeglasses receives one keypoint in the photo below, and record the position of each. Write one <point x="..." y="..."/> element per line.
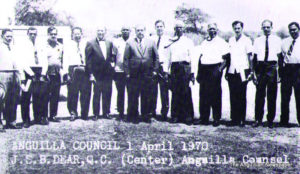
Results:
<point x="53" y="34"/>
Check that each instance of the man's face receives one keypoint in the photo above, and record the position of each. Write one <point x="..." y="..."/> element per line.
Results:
<point x="101" y="33"/>
<point x="238" y="29"/>
<point x="53" y="35"/>
<point x="212" y="32"/>
<point x="140" y="32"/>
<point x="125" y="33"/>
<point x="179" y="30"/>
<point x="32" y="34"/>
<point x="7" y="37"/>
<point x="267" y="28"/>
<point x="159" y="28"/>
<point x="77" y="34"/>
<point x="294" y="31"/>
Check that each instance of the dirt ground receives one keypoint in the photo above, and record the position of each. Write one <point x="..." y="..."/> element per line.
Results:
<point x="189" y="145"/>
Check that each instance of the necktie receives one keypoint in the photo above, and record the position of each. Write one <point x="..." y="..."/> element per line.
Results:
<point x="79" y="52"/>
<point x="158" y="42"/>
<point x="289" y="53"/>
<point x="267" y="49"/>
<point x="140" y="45"/>
<point x="36" y="60"/>
<point x="8" y="46"/>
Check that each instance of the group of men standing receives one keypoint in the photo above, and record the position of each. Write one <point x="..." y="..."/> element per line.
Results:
<point x="140" y="64"/>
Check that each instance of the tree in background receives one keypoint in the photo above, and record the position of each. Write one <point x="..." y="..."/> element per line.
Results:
<point x="40" y="13"/>
<point x="192" y="17"/>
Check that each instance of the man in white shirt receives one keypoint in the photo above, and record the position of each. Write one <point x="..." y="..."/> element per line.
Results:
<point x="289" y="73"/>
<point x="10" y="80"/>
<point x="238" y="73"/>
<point x="214" y="52"/>
<point x="180" y="51"/>
<point x="79" y="82"/>
<point x="266" y="48"/>
<point x="54" y="53"/>
<point x="34" y="68"/>
<point x="161" y="41"/>
<point x="120" y="76"/>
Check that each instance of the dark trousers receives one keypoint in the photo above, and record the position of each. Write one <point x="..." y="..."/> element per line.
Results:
<point x="54" y="91"/>
<point x="79" y="83"/>
<point x="181" y="104"/>
<point x="238" y="97"/>
<point x="290" y="80"/>
<point x="120" y="80"/>
<point x="40" y="99"/>
<point x="12" y="95"/>
<point x="140" y="85"/>
<point x="210" y="92"/>
<point x="164" y="94"/>
<point x="104" y="88"/>
<point x="267" y="80"/>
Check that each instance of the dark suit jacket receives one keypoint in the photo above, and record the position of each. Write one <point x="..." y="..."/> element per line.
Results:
<point x="137" y="61"/>
<point x="95" y="61"/>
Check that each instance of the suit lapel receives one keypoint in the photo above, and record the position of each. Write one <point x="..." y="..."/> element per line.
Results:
<point x="107" y="48"/>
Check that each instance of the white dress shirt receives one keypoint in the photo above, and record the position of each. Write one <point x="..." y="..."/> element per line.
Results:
<point x="239" y="51"/>
<point x="294" y="58"/>
<point x="102" y="46"/>
<point x="119" y="49"/>
<point x="274" y="44"/>
<point x="211" y="52"/>
<point x="27" y="52"/>
<point x="181" y="50"/>
<point x="8" y="59"/>
<point x="74" y="53"/>
<point x="164" y="53"/>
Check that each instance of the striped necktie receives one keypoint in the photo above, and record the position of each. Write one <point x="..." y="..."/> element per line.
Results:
<point x="267" y="49"/>
<point x="289" y="53"/>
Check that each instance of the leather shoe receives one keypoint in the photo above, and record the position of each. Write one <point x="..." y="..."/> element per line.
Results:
<point x="282" y="124"/>
<point x="44" y="121"/>
<point x="216" y="123"/>
<point x="13" y="126"/>
<point x="174" y="120"/>
<point x="54" y="119"/>
<point x="256" y="124"/>
<point x="242" y="124"/>
<point x="232" y="123"/>
<point x="270" y="125"/>
<point x="26" y="125"/>
<point x="107" y="116"/>
<point x="2" y="128"/>
<point x="96" y="117"/>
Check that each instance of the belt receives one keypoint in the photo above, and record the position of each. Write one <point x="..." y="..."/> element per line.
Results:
<point x="181" y="63"/>
<point x="268" y="62"/>
<point x="74" y="66"/>
<point x="8" y="71"/>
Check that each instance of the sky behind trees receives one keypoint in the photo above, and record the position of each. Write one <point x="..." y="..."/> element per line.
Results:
<point x="115" y="13"/>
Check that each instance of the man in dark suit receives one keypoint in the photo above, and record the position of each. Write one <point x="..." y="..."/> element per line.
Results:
<point x="99" y="63"/>
<point x="140" y="65"/>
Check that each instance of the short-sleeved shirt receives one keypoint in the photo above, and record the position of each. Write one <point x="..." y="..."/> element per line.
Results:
<point x="274" y="45"/>
<point x="294" y="58"/>
<point x="212" y="51"/>
<point x="239" y="54"/>
<point x="164" y="53"/>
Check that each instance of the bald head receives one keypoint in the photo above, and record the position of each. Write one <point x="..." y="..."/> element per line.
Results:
<point x="125" y="31"/>
<point x="140" y="31"/>
<point x="101" y="31"/>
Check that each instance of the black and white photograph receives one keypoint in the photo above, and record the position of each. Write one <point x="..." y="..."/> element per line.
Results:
<point x="150" y="86"/>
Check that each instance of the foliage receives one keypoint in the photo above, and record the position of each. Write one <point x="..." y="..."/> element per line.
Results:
<point x="41" y="13"/>
<point x="192" y="17"/>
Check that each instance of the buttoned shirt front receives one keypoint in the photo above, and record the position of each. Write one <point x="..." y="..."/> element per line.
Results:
<point x="7" y="57"/>
<point x="164" y="53"/>
<point x="211" y="52"/>
<point x="119" y="49"/>
<point x="28" y="52"/>
<point x="294" y="58"/>
<point x="274" y="45"/>
<point x="239" y="51"/>
<point x="54" y="54"/>
<point x="74" y="53"/>
<point x="181" y="50"/>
